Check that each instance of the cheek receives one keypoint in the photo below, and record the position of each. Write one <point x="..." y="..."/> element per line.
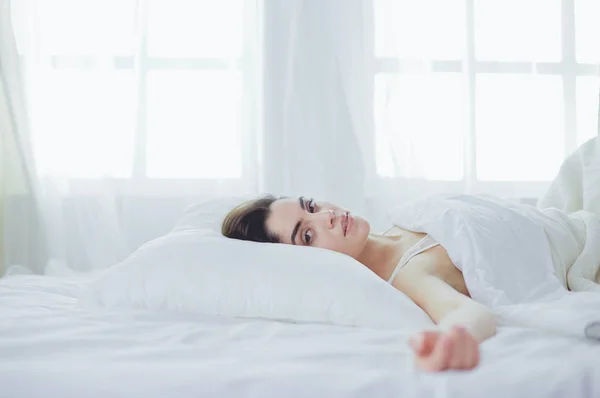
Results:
<point x="335" y="243"/>
<point x="331" y="242"/>
<point x="353" y="245"/>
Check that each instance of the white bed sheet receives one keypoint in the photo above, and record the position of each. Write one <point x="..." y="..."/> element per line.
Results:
<point x="49" y="348"/>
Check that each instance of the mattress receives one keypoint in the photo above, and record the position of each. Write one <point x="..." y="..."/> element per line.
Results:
<point x="51" y="348"/>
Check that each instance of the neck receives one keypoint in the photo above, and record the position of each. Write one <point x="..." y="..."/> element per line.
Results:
<point x="381" y="254"/>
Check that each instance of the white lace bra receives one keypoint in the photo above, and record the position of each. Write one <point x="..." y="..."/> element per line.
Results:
<point x="426" y="243"/>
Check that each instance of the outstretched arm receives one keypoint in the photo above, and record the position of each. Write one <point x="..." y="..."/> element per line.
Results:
<point x="463" y="323"/>
<point x="448" y="308"/>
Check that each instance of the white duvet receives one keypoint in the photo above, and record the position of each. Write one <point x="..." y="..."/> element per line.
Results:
<point x="517" y="259"/>
<point x="520" y="260"/>
<point x="51" y="348"/>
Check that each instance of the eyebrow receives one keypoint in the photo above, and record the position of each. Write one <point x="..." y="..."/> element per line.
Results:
<point x="297" y="227"/>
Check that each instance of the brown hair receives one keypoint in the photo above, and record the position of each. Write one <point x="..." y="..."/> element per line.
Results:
<point x="248" y="221"/>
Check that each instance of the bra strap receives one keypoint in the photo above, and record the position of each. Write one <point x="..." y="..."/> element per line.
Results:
<point x="426" y="243"/>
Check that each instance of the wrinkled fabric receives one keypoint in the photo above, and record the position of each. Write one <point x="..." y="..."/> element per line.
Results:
<point x="515" y="258"/>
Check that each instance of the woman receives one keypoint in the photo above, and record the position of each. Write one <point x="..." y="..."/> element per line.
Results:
<point x="412" y="262"/>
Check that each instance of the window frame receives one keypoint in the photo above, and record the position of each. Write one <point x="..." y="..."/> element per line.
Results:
<point x="139" y="183"/>
<point x="567" y="68"/>
<point x="257" y="113"/>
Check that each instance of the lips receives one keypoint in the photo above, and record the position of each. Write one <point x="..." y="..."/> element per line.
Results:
<point x="347" y="222"/>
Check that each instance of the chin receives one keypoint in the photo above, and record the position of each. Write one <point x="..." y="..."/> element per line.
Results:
<point x="361" y="226"/>
<point x="359" y="234"/>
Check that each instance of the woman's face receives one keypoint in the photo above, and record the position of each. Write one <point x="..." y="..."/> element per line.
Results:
<point x="306" y="222"/>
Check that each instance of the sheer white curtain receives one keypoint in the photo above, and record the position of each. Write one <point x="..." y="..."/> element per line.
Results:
<point x="24" y="241"/>
<point x="316" y="99"/>
<point x="140" y="107"/>
<point x="482" y="96"/>
<point x="438" y="95"/>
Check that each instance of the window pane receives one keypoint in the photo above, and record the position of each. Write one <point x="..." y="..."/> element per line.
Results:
<point x="195" y="28"/>
<point x="194" y="124"/>
<point x="520" y="133"/>
<point x="587" y="107"/>
<point x="587" y="17"/>
<point x="425" y="29"/>
<point x="419" y="126"/>
<point x="83" y="122"/>
<point x="518" y="30"/>
<point x="76" y="27"/>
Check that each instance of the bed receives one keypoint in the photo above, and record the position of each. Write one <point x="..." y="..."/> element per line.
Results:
<point x="51" y="348"/>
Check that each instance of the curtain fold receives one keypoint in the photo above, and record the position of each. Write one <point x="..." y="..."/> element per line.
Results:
<point x="111" y="111"/>
<point x="316" y="93"/>
<point x="22" y="239"/>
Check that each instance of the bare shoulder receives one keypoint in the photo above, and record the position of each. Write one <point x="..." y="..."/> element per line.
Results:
<point x="397" y="231"/>
<point x="429" y="261"/>
<point x="434" y="262"/>
<point x="408" y="238"/>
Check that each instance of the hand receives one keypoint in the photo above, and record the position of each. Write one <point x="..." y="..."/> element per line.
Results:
<point x="437" y="351"/>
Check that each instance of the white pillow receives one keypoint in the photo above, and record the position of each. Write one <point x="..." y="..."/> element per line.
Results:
<point x="208" y="214"/>
<point x="197" y="271"/>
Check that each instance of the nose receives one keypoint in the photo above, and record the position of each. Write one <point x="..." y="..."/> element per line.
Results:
<point x="328" y="216"/>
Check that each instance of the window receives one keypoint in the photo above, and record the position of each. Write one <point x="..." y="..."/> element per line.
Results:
<point x="158" y="95"/>
<point x="169" y="92"/>
<point x="194" y="51"/>
<point x="461" y="99"/>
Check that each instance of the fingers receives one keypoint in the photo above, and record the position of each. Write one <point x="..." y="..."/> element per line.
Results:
<point x="424" y="342"/>
<point x="466" y="349"/>
<point x="471" y="350"/>
<point x="463" y="351"/>
<point x="417" y="344"/>
<point x="441" y="356"/>
<point x="456" y="349"/>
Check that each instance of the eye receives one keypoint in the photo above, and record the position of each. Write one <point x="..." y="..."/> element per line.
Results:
<point x="311" y="206"/>
<point x="308" y="238"/>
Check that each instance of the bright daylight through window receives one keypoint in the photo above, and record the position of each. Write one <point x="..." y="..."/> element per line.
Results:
<point x="482" y="91"/>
